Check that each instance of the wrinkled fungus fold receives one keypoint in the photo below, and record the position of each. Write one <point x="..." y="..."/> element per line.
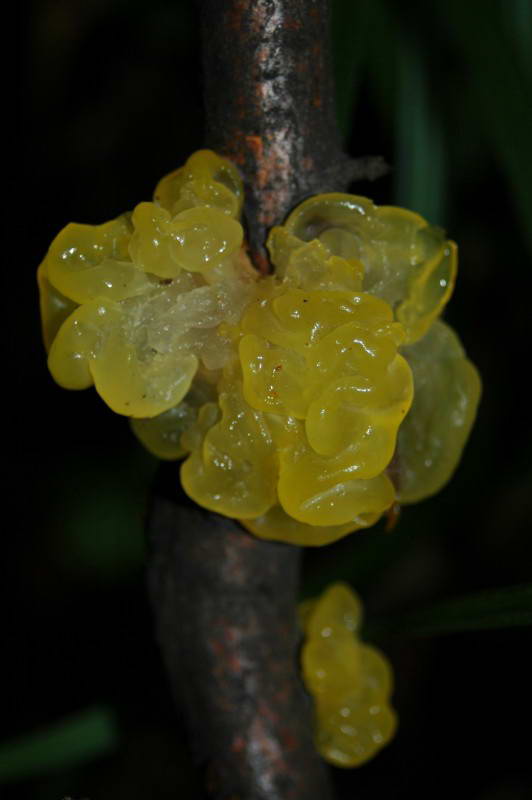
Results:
<point x="349" y="680"/>
<point x="304" y="403"/>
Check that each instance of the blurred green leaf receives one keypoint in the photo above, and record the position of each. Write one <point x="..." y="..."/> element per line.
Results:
<point x="519" y="16"/>
<point x="73" y="741"/>
<point x="493" y="74"/>
<point x="99" y="504"/>
<point x="420" y="151"/>
<point x="381" y="59"/>
<point x="366" y="35"/>
<point x="349" y="37"/>
<point x="500" y="608"/>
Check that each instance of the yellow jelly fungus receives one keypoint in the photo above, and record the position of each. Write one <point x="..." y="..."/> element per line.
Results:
<point x="306" y="402"/>
<point x="206" y="180"/>
<point x="161" y="435"/>
<point x="350" y="681"/>
<point x="432" y="437"/>
<point x="276" y="524"/>
<point x="164" y="439"/>
<point x="54" y="307"/>
<point x="89" y="261"/>
<point x="406" y="262"/>
<point x="233" y="471"/>
<point x="197" y="239"/>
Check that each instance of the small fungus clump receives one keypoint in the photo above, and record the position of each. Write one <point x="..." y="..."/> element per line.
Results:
<point x="350" y="681"/>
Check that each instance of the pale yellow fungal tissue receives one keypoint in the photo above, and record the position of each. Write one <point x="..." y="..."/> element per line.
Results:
<point x="305" y="403"/>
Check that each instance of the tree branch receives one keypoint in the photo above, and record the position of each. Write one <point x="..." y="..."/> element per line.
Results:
<point x="224" y="601"/>
<point x="270" y="106"/>
<point x="225" y="605"/>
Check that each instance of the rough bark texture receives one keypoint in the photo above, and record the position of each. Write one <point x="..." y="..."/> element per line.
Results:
<point x="225" y="604"/>
<point x="224" y="601"/>
<point x="270" y="106"/>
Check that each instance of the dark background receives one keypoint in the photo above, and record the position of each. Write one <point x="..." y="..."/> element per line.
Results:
<point x="110" y="101"/>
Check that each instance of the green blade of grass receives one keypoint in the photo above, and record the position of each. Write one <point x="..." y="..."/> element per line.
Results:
<point x="68" y="743"/>
<point x="498" y="86"/>
<point x="349" y="25"/>
<point x="518" y="14"/>
<point x="420" y="153"/>
<point x="500" y="608"/>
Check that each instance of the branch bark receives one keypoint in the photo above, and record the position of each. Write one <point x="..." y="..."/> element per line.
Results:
<point x="225" y="609"/>
<point x="269" y="98"/>
<point x="224" y="601"/>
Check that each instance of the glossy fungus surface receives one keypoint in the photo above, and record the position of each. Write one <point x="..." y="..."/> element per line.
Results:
<point x="304" y="403"/>
<point x="350" y="681"/>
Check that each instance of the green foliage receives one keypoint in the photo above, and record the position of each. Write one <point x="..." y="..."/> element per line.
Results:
<point x="500" y="608"/>
<point x="499" y="88"/>
<point x="98" y="508"/>
<point x="420" y="147"/>
<point x="431" y="67"/>
<point x="350" y="23"/>
<point x="68" y="743"/>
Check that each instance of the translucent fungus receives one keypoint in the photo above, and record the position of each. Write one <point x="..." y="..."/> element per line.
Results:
<point x="446" y="395"/>
<point x="406" y="261"/>
<point x="306" y="402"/>
<point x="350" y="681"/>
